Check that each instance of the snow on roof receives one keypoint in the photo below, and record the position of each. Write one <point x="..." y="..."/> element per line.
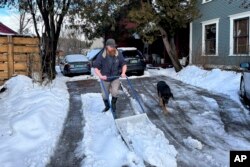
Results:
<point x="6" y="30"/>
<point x="92" y="53"/>
<point x="1" y="33"/>
<point x="18" y="35"/>
<point x="127" y="48"/>
<point x="76" y="58"/>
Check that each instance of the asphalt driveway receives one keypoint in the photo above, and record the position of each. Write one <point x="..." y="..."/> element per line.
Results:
<point x="214" y="120"/>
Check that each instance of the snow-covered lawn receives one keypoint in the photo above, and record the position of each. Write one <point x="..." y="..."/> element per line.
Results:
<point x="32" y="117"/>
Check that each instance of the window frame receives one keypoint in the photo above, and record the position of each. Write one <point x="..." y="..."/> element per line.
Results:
<point x="231" y="35"/>
<point x="206" y="1"/>
<point x="204" y="24"/>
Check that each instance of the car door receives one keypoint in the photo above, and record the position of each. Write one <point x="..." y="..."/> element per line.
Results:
<point x="247" y="83"/>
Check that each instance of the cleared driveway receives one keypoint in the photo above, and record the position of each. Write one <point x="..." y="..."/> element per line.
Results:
<point x="194" y="116"/>
<point x="203" y="126"/>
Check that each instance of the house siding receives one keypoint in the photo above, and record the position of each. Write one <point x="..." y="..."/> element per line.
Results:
<point x="216" y="9"/>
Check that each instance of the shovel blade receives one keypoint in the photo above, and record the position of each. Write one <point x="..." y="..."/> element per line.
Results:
<point x="121" y="125"/>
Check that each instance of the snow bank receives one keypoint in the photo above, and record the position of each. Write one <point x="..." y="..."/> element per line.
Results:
<point x="102" y="145"/>
<point x="226" y="82"/>
<point x="31" y="119"/>
<point x="192" y="143"/>
<point x="148" y="141"/>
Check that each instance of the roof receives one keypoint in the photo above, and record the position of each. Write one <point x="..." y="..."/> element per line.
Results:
<point x="76" y="58"/>
<point x="4" y="30"/>
<point x="126" y="48"/>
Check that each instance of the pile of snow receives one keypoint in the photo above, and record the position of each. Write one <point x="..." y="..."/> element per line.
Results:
<point x="216" y="80"/>
<point x="148" y="141"/>
<point x="193" y="143"/>
<point x="102" y="145"/>
<point x="31" y="120"/>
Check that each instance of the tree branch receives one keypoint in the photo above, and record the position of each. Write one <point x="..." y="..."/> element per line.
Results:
<point x="64" y="12"/>
<point x="34" y="17"/>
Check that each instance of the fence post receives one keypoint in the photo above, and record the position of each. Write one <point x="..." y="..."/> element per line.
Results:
<point x="10" y="56"/>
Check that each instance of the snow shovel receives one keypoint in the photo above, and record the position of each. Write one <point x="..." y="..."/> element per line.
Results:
<point x="107" y="95"/>
<point x="122" y="123"/>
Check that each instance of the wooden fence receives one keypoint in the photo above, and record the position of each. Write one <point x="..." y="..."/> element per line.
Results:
<point x="19" y="55"/>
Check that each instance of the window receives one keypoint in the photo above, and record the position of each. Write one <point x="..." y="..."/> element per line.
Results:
<point x="210" y="39"/>
<point x="239" y="34"/>
<point x="210" y="36"/>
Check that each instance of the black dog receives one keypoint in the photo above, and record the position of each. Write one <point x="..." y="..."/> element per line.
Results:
<point x="164" y="94"/>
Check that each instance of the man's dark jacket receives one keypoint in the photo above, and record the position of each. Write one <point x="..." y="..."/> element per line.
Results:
<point x="109" y="65"/>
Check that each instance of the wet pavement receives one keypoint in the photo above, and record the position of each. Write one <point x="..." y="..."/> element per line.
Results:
<point x="213" y="119"/>
<point x="218" y="122"/>
<point x="64" y="155"/>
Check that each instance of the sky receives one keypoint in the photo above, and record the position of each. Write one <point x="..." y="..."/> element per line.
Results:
<point x="32" y="117"/>
<point x="9" y="18"/>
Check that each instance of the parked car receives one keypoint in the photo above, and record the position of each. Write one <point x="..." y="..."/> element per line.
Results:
<point x="134" y="58"/>
<point x="75" y="64"/>
<point x="92" y="54"/>
<point x="245" y="82"/>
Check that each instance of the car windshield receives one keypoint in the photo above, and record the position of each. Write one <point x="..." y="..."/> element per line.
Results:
<point x="131" y="54"/>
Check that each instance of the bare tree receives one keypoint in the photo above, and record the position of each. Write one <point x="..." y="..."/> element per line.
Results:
<point x="51" y="14"/>
<point x="72" y="41"/>
<point x="24" y="22"/>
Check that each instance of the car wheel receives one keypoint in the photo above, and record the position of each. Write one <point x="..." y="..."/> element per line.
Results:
<point x="141" y="72"/>
<point x="242" y="89"/>
<point x="65" y="73"/>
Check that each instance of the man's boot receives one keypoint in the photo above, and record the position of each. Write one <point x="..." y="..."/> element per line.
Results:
<point x="113" y="104"/>
<point x="106" y="102"/>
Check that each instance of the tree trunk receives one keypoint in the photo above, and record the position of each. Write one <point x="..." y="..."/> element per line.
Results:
<point x="49" y="58"/>
<point x="170" y="47"/>
<point x="52" y="31"/>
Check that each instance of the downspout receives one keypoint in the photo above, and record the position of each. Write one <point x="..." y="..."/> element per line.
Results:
<point x="190" y="43"/>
